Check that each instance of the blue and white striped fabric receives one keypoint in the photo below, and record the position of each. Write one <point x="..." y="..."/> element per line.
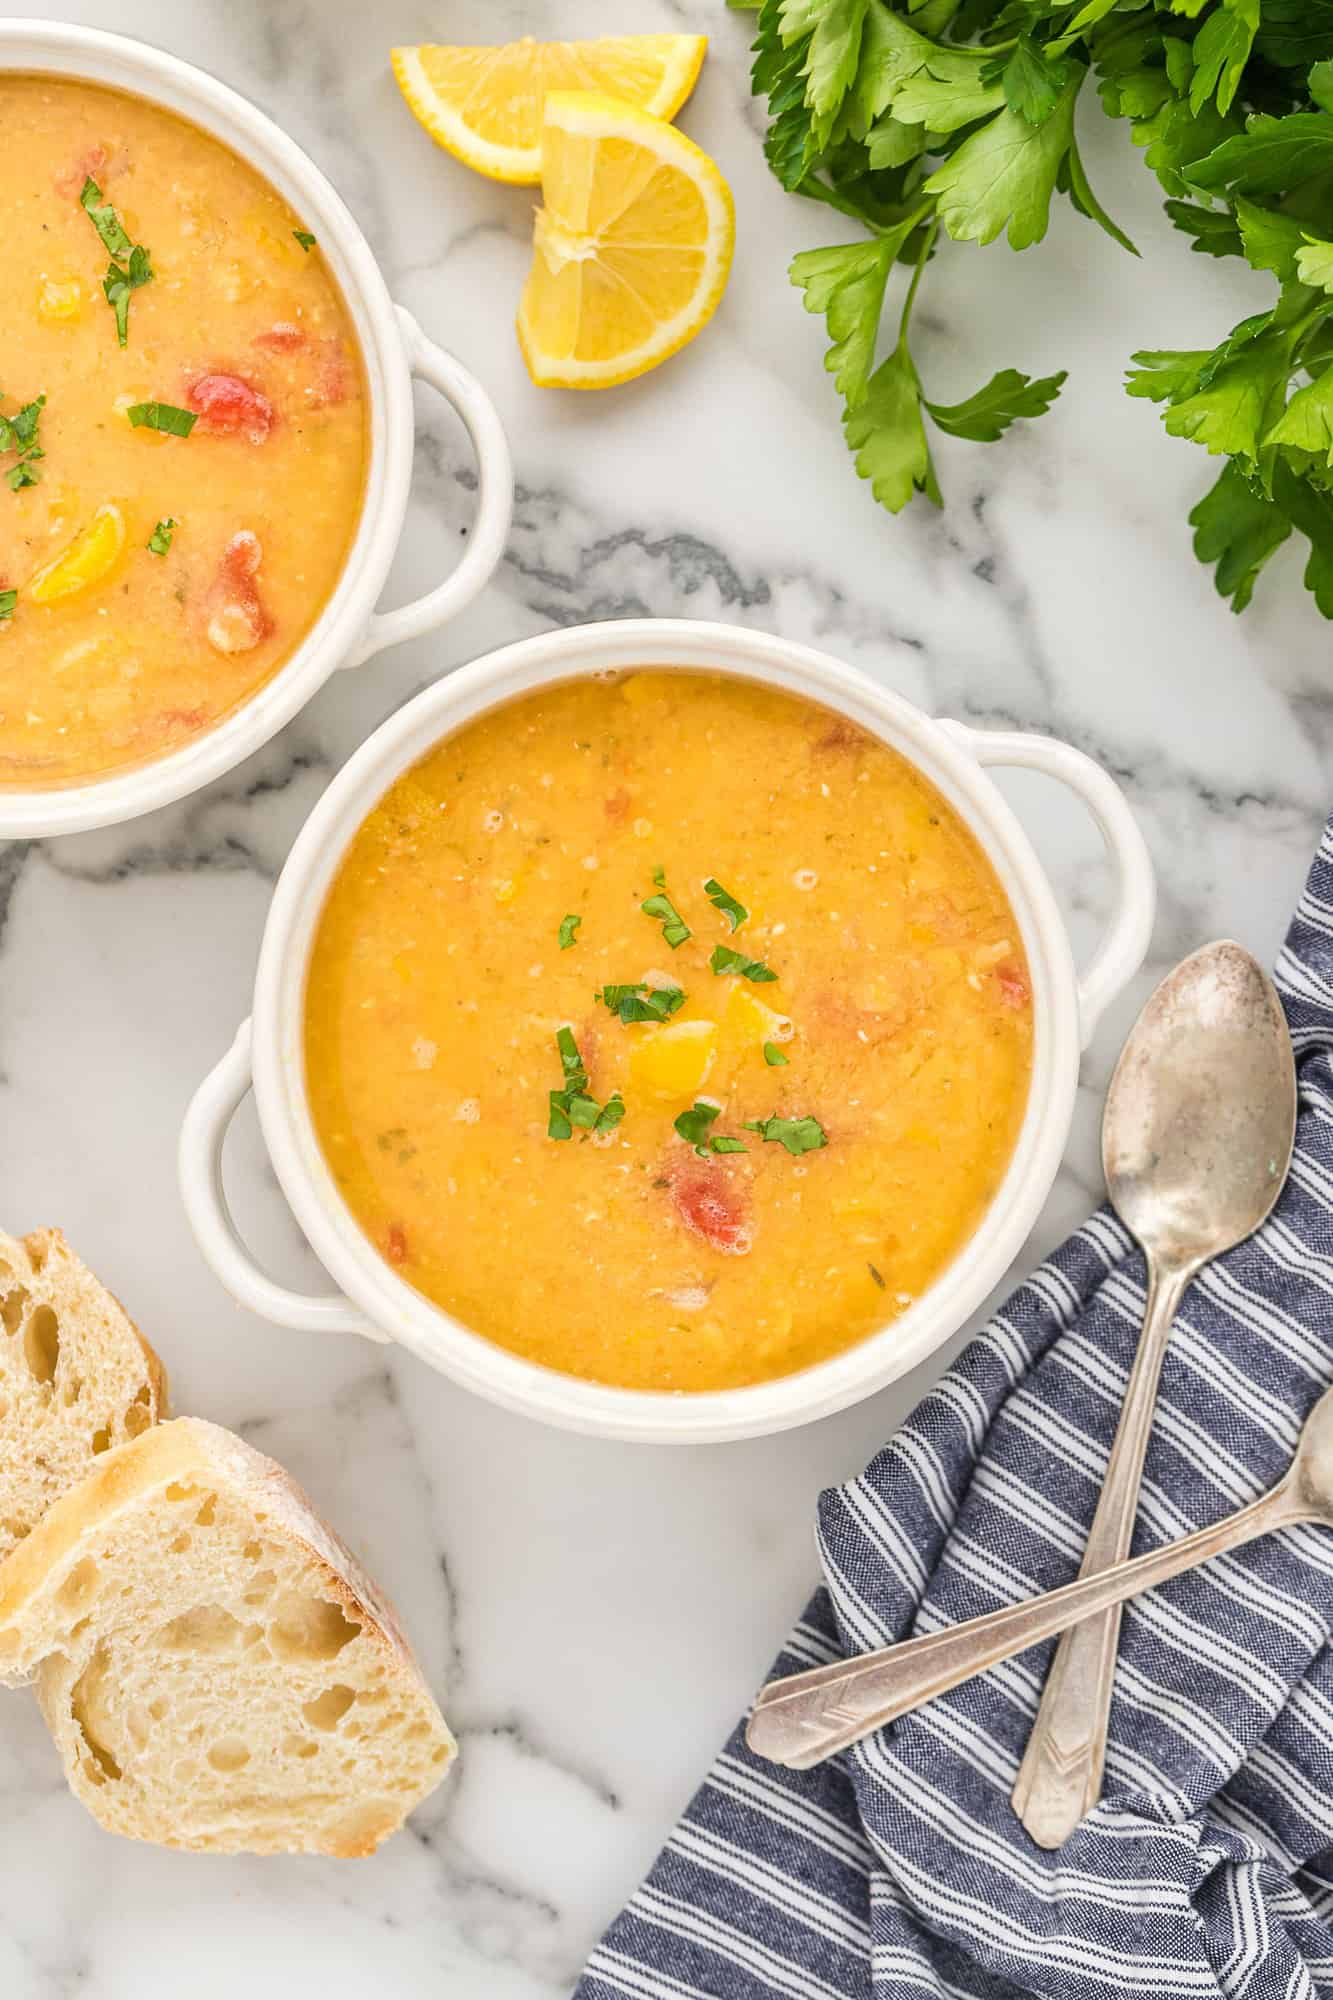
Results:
<point x="899" y="1871"/>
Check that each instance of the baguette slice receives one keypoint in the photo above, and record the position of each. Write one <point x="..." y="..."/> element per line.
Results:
<point x="76" y="1377"/>
<point x="216" y="1670"/>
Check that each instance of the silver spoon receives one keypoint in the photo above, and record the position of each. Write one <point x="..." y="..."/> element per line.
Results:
<point x="1196" y="1143"/>
<point x="807" y="1717"/>
<point x="1197" y="1140"/>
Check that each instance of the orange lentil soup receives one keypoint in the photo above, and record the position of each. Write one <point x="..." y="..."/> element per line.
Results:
<point x="151" y="581"/>
<point x="668" y="1030"/>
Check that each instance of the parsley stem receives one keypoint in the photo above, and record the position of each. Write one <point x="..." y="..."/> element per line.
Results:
<point x="923" y="259"/>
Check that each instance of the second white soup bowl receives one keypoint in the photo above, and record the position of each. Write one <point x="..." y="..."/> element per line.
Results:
<point x="393" y="349"/>
<point x="372" y="1300"/>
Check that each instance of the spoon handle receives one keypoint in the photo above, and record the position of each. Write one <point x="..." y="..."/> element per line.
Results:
<point x="807" y="1717"/>
<point x="1060" y="1778"/>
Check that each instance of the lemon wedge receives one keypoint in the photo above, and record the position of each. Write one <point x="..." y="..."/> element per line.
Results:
<point x="484" y="105"/>
<point x="632" y="247"/>
<point x="83" y="561"/>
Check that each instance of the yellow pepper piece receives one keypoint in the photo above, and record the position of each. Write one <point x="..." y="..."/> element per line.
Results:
<point x="748" y="1023"/>
<point x="59" y="298"/>
<point x="673" y="1060"/>
<point x="84" y="561"/>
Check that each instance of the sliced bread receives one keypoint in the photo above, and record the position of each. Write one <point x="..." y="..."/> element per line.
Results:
<point x="217" y="1671"/>
<point x="76" y="1377"/>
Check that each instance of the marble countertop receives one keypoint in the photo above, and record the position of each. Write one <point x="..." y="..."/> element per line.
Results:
<point x="595" y="1615"/>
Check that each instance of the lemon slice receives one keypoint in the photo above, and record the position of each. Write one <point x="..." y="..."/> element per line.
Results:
<point x="484" y="105"/>
<point x="83" y="561"/>
<point x="632" y="246"/>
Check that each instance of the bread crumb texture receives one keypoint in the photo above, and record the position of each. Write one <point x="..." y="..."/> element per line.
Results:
<point x="217" y="1671"/>
<point x="76" y="1377"/>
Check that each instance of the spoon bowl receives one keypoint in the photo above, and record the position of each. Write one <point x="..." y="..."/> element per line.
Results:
<point x="1201" y="1112"/>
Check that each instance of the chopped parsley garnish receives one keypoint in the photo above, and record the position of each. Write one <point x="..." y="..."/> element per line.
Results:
<point x="19" y="434"/>
<point x="573" y="1106"/>
<point x="104" y="219"/>
<point x="162" y="417"/>
<point x="674" y="929"/>
<point x="725" y="902"/>
<point x="693" y="1125"/>
<point x="878" y="1277"/>
<point x="568" y="926"/>
<point x="8" y="599"/>
<point x="773" y="1056"/>
<point x="641" y="1003"/>
<point x="659" y="877"/>
<point x="130" y="265"/>
<point x="120" y="281"/>
<point x="160" y="539"/>
<point x="305" y="239"/>
<point x="798" y="1135"/>
<point x="724" y="959"/>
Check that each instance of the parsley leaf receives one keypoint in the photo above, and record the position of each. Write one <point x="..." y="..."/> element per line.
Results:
<point x="104" y="219"/>
<point x="8" y="600"/>
<point x="162" y="417"/>
<point x="305" y="239"/>
<point x="572" y="1107"/>
<point x="130" y="265"/>
<point x="1270" y="156"/>
<point x="725" y="960"/>
<point x="1032" y="80"/>
<point x="1002" y="177"/>
<point x="160" y="539"/>
<point x="798" y="1135"/>
<point x="674" y="929"/>
<point x="886" y="434"/>
<point x="986" y="415"/>
<point x="730" y="908"/>
<point x="19" y="434"/>
<point x="568" y="926"/>
<point x="831" y="53"/>
<point x="773" y="1056"/>
<point x="640" y="1002"/>
<point x="693" y="1124"/>
<point x="1221" y="51"/>
<point x="1314" y="264"/>
<point x="1237" y="527"/>
<point x="846" y="283"/>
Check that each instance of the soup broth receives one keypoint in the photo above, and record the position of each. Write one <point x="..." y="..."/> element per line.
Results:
<point x="150" y="581"/>
<point x="668" y="1030"/>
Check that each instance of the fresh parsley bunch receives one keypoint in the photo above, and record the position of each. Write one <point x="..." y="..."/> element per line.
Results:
<point x="955" y="119"/>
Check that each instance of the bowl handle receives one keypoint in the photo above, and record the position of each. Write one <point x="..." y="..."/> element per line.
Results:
<point x="495" y="500"/>
<point x="211" y="1111"/>
<point x="1125" y="945"/>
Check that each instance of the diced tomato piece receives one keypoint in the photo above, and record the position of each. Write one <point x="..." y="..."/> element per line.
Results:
<point x="395" y="1244"/>
<point x="234" y="612"/>
<point x="89" y="165"/>
<point x="228" y="406"/>
<point x="283" y="337"/>
<point x="713" y="1205"/>
<point x="1014" y="989"/>
<point x="333" y="375"/>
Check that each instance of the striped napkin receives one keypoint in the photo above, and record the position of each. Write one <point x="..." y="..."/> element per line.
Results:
<point x="899" y="1870"/>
